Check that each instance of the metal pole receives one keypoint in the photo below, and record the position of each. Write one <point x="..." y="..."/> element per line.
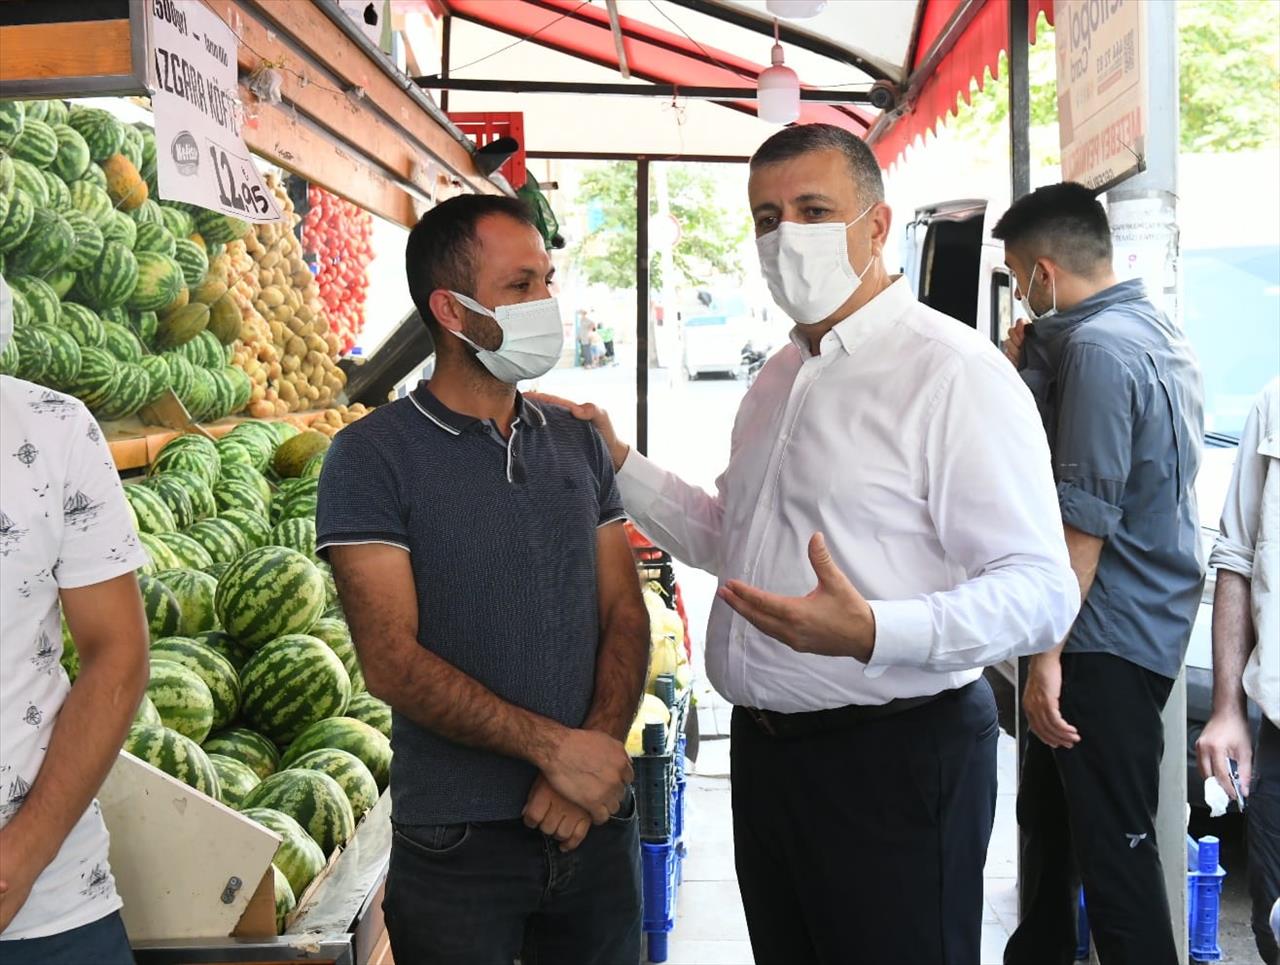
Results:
<point x="642" y="305"/>
<point x="445" y="42"/>
<point x="1143" y="212"/>
<point x="1019" y="101"/>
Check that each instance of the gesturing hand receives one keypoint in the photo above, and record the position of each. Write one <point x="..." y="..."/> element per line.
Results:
<point x="834" y="620"/>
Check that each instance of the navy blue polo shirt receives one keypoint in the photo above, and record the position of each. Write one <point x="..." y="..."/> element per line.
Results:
<point x="502" y="539"/>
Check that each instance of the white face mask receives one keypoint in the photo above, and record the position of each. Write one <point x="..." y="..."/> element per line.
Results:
<point x="532" y="338"/>
<point x="1026" y="300"/>
<point x="807" y="268"/>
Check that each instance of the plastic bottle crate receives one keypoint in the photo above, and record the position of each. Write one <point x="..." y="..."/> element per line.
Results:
<point x="660" y="866"/>
<point x="656" y="776"/>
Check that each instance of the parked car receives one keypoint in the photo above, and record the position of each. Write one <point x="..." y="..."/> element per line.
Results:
<point x="716" y="330"/>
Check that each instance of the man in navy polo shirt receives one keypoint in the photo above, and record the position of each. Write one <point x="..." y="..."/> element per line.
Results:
<point x="478" y="548"/>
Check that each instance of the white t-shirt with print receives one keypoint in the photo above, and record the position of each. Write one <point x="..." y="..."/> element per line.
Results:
<point x="64" y="523"/>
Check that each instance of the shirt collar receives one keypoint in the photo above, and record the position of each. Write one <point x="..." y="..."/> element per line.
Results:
<point x="876" y="315"/>
<point x="1050" y="332"/>
<point x="456" y="423"/>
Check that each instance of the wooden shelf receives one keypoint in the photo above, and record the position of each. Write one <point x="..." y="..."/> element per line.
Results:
<point x="134" y="445"/>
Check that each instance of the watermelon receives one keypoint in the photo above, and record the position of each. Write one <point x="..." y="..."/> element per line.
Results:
<point x="7" y="177"/>
<point x="93" y="201"/>
<point x="35" y="354"/>
<point x="174" y="753"/>
<point x="285" y="900"/>
<point x="372" y="711"/>
<point x="88" y="241"/>
<point x="348" y="734"/>
<point x="253" y="526"/>
<point x="236" y="451"/>
<point x="29" y="178"/>
<point x="181" y="374"/>
<point x="59" y="193"/>
<point x="193" y="261"/>
<point x="94" y="175"/>
<point x="121" y="342"/>
<point x="217" y="228"/>
<point x="194" y="590"/>
<point x="350" y="773"/>
<point x="16" y="224"/>
<point x="13" y="117"/>
<point x="164" y="615"/>
<point x="61" y="281"/>
<point x="111" y="279"/>
<point x="224" y="540"/>
<point x="56" y="112"/>
<point x="296" y="534"/>
<point x="189" y="452"/>
<point x="179" y="222"/>
<point x="216" y="570"/>
<point x="211" y="667"/>
<point x="241" y="387"/>
<point x="144" y="325"/>
<point x="337" y="637"/>
<point x="48" y="246"/>
<point x="146" y="213"/>
<point x="37" y="144"/>
<point x="147" y="713"/>
<point x="83" y="324"/>
<point x="313" y="466"/>
<point x="258" y="452"/>
<point x="10" y="360"/>
<point x="98" y="378"/>
<point x="241" y="494"/>
<point x="102" y="133"/>
<point x="193" y="556"/>
<point x="312" y="799"/>
<point x="131" y="146"/>
<point x="157" y="370"/>
<point x="132" y="393"/>
<point x="237" y="654"/>
<point x="64" y="358"/>
<point x="72" y="158"/>
<point x="41" y="299"/>
<point x="201" y="495"/>
<point x="160" y="556"/>
<point x="292" y="682"/>
<point x="268" y="593"/>
<point x="235" y="780"/>
<point x="298" y="857"/>
<point x="150" y="509"/>
<point x="159" y="282"/>
<point x="177" y="499"/>
<point x="182" y="698"/>
<point x="155" y="238"/>
<point x="120" y="227"/>
<point x="248" y="747"/>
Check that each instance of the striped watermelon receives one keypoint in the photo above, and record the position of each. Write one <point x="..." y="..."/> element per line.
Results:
<point x="131" y="146"/>
<point x="195" y="590"/>
<point x="236" y="452"/>
<point x="35" y="354"/>
<point x="157" y="370"/>
<point x="38" y="110"/>
<point x="64" y="358"/>
<point x="37" y="144"/>
<point x="10" y="361"/>
<point x="201" y="495"/>
<point x="111" y="279"/>
<point x="156" y="238"/>
<point x="248" y="747"/>
<point x="299" y="858"/>
<point x="250" y="477"/>
<point x="313" y="466"/>
<point x="29" y="178"/>
<point x="217" y="228"/>
<point x="285" y="900"/>
<point x="101" y="131"/>
<point x="224" y="540"/>
<point x="291" y="683"/>
<point x="211" y="667"/>
<point x="347" y="734"/>
<point x="216" y="570"/>
<point x="235" y="780"/>
<point x="56" y="112"/>
<point x="88" y="241"/>
<point x="237" y="654"/>
<point x="120" y="227"/>
<point x="296" y="499"/>
<point x="240" y="494"/>
<point x="59" y="193"/>
<point x="192" y="554"/>
<point x="83" y="324"/>
<point x="182" y="698"/>
<point x="179" y="222"/>
<point x="41" y="299"/>
<point x="254" y="527"/>
<point x="312" y="799"/>
<point x="190" y="452"/>
<point x="72" y="158"/>
<point x="150" y="509"/>
<point x="144" y="325"/>
<point x="181" y="374"/>
<point x="147" y="713"/>
<point x="147" y="213"/>
<point x="175" y="754"/>
<point x="337" y="637"/>
<point x="296" y="534"/>
<point x="160" y="556"/>
<point x="48" y="246"/>
<point x="21" y="310"/>
<point x="164" y="615"/>
<point x="16" y="224"/>
<point x="98" y="378"/>
<point x="132" y="391"/>
<point x="94" y="175"/>
<point x="61" y="281"/>
<point x="121" y="342"/>
<point x="191" y="257"/>
<point x="372" y="711"/>
<point x="7" y="177"/>
<point x="177" y="498"/>
<point x="93" y="201"/>
<point x="13" y="117"/>
<point x="350" y="773"/>
<point x="270" y="592"/>
<point x="159" y="282"/>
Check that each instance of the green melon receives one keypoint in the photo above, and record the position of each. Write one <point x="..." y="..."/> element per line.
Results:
<point x="182" y="698"/>
<point x="268" y="593"/>
<point x="291" y="683"/>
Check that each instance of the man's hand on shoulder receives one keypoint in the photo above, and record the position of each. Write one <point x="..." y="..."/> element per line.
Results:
<point x="598" y="417"/>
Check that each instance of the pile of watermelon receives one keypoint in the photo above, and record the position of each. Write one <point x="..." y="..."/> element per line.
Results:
<point x="112" y="301"/>
<point x="256" y="695"/>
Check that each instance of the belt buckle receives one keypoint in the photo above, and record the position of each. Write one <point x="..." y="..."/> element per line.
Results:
<point x="762" y="721"/>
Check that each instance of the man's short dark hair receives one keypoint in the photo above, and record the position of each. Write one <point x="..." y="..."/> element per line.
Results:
<point x="791" y="142"/>
<point x="442" y="246"/>
<point x="1065" y="222"/>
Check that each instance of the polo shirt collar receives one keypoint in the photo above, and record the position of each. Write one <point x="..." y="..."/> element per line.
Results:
<point x="456" y="423"/>
<point x="876" y="315"/>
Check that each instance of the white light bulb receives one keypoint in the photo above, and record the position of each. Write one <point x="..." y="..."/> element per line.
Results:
<point x="778" y="92"/>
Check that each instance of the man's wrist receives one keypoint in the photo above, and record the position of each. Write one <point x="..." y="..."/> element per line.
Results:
<point x="545" y="744"/>
<point x="619" y="451"/>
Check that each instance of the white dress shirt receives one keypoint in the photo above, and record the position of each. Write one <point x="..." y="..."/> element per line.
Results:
<point x="1249" y="543"/>
<point x="911" y="443"/>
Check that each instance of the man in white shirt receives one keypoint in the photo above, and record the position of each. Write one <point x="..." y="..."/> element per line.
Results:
<point x="1246" y="654"/>
<point x="864" y="738"/>
<point x="66" y="537"/>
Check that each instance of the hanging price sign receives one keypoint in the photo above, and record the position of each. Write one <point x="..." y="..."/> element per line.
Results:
<point x="201" y="157"/>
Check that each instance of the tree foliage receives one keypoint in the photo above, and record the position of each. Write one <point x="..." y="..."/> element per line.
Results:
<point x="710" y="235"/>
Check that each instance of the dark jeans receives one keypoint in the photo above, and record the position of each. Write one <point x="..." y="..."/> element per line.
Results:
<point x="102" y="942"/>
<point x="1262" y="814"/>
<point x="867" y="843"/>
<point x="483" y="894"/>
<point x="1088" y="815"/>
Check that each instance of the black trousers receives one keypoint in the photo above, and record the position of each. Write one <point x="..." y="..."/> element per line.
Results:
<point x="867" y="844"/>
<point x="1263" y="816"/>
<point x="1088" y="815"/>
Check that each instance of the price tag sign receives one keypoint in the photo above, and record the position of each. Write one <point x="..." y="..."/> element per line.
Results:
<point x="200" y="155"/>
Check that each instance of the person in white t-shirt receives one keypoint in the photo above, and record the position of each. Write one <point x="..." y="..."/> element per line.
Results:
<point x="67" y="544"/>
